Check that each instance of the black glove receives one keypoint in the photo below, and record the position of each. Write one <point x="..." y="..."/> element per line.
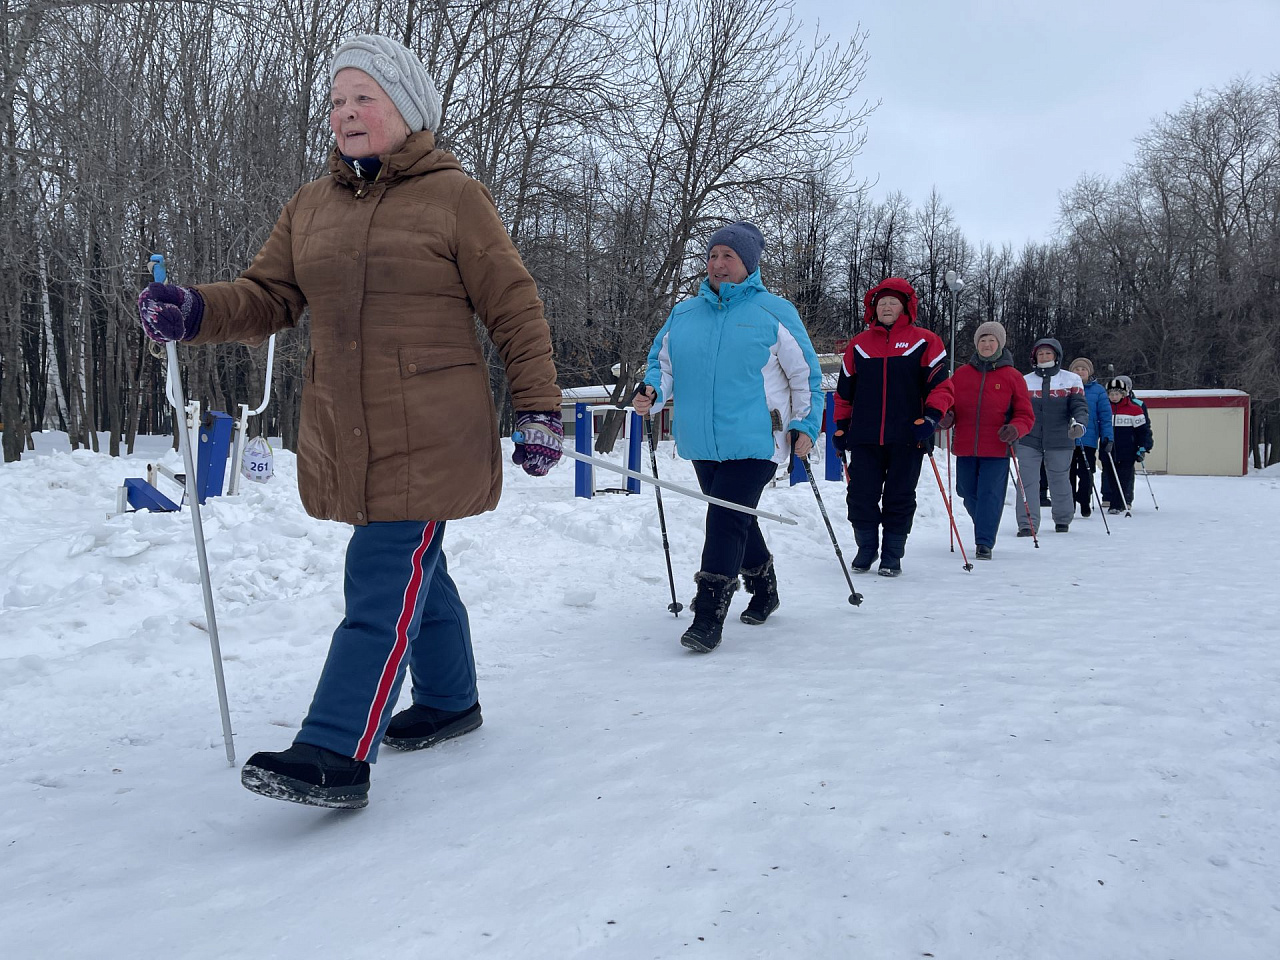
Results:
<point x="924" y="428"/>
<point x="1007" y="433"/>
<point x="840" y="439"/>
<point x="1141" y="454"/>
<point x="1105" y="446"/>
<point x="948" y="420"/>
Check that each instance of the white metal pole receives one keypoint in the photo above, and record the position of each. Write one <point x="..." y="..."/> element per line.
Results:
<point x="668" y="485"/>
<point x="242" y="421"/>
<point x="174" y="390"/>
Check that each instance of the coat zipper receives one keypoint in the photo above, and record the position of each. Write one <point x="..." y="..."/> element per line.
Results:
<point x="977" y="428"/>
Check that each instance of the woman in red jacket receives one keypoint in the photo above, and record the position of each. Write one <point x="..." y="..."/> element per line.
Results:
<point x="992" y="409"/>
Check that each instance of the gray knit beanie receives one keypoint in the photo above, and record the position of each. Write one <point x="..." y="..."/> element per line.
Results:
<point x="396" y="70"/>
<point x="744" y="239"/>
<point x="992" y="327"/>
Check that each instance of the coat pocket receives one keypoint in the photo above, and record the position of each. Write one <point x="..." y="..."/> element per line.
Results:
<point x="449" y="438"/>
<point x="419" y="360"/>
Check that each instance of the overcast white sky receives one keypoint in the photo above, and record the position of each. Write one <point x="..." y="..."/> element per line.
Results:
<point x="1003" y="104"/>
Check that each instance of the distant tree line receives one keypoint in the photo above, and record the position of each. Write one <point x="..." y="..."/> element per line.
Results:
<point x="614" y="137"/>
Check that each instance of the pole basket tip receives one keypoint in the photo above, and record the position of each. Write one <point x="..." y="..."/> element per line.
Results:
<point x="855" y="599"/>
<point x="675" y="607"/>
<point x="968" y="566"/>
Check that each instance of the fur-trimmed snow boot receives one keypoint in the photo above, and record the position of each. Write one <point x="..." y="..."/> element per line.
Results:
<point x="709" y="607"/>
<point x="762" y="584"/>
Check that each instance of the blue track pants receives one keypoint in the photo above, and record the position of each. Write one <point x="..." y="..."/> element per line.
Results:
<point x="981" y="483"/>
<point x="402" y="611"/>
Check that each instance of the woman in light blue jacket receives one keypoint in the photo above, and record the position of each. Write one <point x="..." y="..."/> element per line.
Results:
<point x="748" y="382"/>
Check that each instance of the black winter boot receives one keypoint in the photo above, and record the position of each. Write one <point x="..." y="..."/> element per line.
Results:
<point x="709" y="609"/>
<point x="419" y="726"/>
<point x="868" y="541"/>
<point x="308" y="774"/>
<point x="762" y="584"/>
<point x="895" y="545"/>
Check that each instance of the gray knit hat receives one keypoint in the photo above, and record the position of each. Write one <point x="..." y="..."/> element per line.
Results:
<point x="993" y="327"/>
<point x="744" y="239"/>
<point x="397" y="71"/>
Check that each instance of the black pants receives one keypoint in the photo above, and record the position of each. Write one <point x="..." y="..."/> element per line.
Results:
<point x="1082" y="467"/>
<point x="882" y="486"/>
<point x="1109" y="492"/>
<point x="733" y="541"/>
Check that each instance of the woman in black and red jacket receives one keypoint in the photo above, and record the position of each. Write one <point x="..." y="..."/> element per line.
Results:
<point x="887" y="373"/>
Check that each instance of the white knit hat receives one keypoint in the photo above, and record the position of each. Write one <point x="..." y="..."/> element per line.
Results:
<point x="398" y="72"/>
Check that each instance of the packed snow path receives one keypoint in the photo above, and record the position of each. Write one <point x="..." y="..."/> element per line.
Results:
<point x="1069" y="753"/>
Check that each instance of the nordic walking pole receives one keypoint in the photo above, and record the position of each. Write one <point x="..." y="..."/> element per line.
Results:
<point x="666" y="484"/>
<point x="1149" y="488"/>
<point x="855" y="597"/>
<point x="1115" y="475"/>
<point x="676" y="606"/>
<point x="1101" y="510"/>
<point x="1017" y="472"/>
<point x="173" y="388"/>
<point x="955" y="533"/>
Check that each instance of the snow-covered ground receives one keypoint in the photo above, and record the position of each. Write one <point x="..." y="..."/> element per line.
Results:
<point x="1072" y="752"/>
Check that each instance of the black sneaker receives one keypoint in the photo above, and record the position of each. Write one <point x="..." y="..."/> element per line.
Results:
<point x="1062" y="528"/>
<point x="982" y="552"/>
<point x="1045" y="501"/>
<point x="308" y="774"/>
<point x="418" y="727"/>
<point x="1114" y="510"/>
<point x="1086" y="510"/>
<point x="1025" y="532"/>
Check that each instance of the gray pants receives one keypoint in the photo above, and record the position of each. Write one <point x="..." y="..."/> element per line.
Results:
<point x="1057" y="466"/>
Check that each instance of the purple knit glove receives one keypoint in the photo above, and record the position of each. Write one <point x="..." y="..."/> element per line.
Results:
<point x="170" y="312"/>
<point x="538" y="437"/>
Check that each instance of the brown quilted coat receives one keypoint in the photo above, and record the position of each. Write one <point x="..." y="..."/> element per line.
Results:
<point x="397" y="417"/>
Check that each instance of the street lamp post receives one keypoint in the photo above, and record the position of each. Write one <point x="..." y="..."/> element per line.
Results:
<point x="955" y="285"/>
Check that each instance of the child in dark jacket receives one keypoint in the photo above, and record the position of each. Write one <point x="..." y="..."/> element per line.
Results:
<point x="1133" y="439"/>
<point x="991" y="408"/>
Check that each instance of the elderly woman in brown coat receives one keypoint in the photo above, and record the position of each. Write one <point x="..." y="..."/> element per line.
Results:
<point x="394" y="253"/>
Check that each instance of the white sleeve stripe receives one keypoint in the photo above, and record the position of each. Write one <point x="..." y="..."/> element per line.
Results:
<point x="666" y="380"/>
<point x="863" y="353"/>
<point x="795" y="367"/>
<point x="934" y="361"/>
<point x="912" y="348"/>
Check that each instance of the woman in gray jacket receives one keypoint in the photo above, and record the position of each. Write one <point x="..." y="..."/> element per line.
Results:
<point x="1057" y="396"/>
